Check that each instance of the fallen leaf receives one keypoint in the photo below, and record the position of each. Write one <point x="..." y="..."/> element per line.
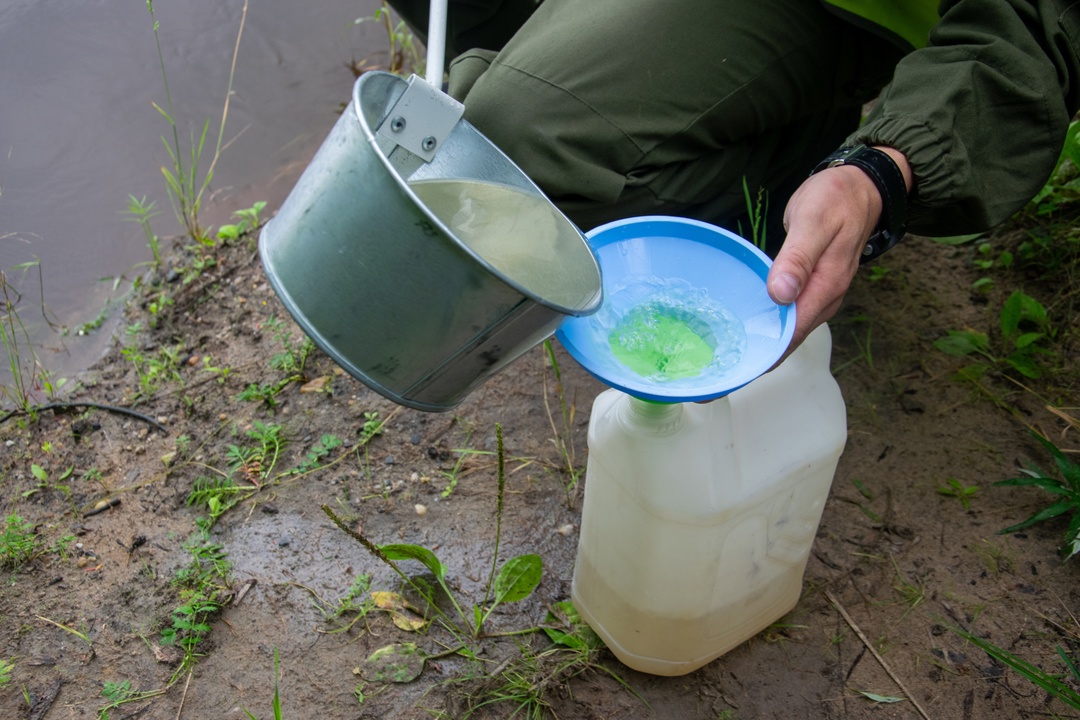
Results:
<point x="399" y="663"/>
<point x="316" y="385"/>
<point x="405" y="616"/>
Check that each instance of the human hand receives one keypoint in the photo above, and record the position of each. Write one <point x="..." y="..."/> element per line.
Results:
<point x="828" y="221"/>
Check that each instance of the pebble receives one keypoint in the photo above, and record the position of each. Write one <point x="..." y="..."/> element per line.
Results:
<point x="284" y="541"/>
<point x="420" y="509"/>
<point x="389" y="460"/>
<point x="566" y="529"/>
<point x="222" y="417"/>
<point x="415" y="476"/>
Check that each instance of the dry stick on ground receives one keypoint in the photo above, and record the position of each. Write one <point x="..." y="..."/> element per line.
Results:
<point x="881" y="661"/>
<point x="183" y="697"/>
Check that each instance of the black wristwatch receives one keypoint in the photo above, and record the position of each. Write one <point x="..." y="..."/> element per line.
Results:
<point x="883" y="170"/>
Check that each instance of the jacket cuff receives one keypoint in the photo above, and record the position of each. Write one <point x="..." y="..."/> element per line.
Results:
<point x="937" y="180"/>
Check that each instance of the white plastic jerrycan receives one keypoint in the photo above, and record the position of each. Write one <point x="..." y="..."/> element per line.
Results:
<point x="698" y="518"/>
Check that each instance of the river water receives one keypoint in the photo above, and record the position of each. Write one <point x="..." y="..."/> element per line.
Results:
<point x="78" y="132"/>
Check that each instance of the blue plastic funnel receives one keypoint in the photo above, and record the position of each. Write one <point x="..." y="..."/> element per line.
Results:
<point x="685" y="315"/>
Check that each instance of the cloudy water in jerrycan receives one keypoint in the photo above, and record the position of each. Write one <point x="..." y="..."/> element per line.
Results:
<point x="698" y="519"/>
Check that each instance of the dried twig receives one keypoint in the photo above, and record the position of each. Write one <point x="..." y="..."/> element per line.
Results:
<point x="881" y="661"/>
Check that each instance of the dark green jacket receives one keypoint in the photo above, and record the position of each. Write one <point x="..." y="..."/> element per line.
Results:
<point x="981" y="111"/>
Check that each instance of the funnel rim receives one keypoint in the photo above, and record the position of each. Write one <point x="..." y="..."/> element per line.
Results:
<point x="692" y="232"/>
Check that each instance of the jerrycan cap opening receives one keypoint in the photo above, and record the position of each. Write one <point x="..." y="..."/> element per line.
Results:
<point x="685" y="315"/>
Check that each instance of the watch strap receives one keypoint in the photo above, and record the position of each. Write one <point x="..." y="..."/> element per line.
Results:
<point x="889" y="180"/>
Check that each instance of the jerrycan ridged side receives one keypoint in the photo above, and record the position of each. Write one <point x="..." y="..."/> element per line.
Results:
<point x="698" y="519"/>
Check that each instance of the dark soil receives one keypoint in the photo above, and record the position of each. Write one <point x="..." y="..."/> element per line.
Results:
<point x="904" y="561"/>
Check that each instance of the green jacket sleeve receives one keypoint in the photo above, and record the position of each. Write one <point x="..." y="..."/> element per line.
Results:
<point x="981" y="112"/>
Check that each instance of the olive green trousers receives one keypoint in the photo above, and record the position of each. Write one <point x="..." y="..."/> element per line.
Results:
<point x="618" y="108"/>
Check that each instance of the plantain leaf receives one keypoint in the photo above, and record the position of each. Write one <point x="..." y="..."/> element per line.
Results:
<point x="415" y="552"/>
<point x="518" y="578"/>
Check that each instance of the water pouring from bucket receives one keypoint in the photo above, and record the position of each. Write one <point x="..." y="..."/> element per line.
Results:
<point x="415" y="253"/>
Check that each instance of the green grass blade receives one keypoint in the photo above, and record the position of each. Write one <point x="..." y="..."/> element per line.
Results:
<point x="1035" y="675"/>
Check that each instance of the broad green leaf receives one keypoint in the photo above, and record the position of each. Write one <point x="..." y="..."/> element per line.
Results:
<point x="564" y="638"/>
<point x="1018" y="308"/>
<point x="880" y="698"/>
<point x="1024" y="365"/>
<point x="962" y="342"/>
<point x="398" y="663"/>
<point x="418" y="553"/>
<point x="1047" y="484"/>
<point x="518" y="578"/>
<point x="572" y="631"/>
<point x="39" y="473"/>
<point x="1027" y="339"/>
<point x="1058" y="508"/>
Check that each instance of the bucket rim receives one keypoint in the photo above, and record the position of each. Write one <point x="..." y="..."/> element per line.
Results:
<point x="588" y="307"/>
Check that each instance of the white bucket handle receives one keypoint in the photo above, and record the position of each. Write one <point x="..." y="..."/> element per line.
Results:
<point x="436" y="49"/>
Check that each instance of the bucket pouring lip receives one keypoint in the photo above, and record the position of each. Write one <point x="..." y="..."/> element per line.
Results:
<point x="588" y="306"/>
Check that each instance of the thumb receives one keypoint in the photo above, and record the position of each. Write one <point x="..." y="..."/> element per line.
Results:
<point x="783" y="285"/>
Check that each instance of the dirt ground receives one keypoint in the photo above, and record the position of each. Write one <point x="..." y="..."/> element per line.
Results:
<point x="901" y="559"/>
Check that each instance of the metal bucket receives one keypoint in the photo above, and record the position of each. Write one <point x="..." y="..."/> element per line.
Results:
<point x="381" y="283"/>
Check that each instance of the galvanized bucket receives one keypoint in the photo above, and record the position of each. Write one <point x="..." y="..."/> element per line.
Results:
<point x="381" y="283"/>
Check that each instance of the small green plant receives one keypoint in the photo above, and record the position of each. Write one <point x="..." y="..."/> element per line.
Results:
<point x="42" y="477"/>
<point x="316" y="456"/>
<point x="152" y="370"/>
<point x="19" y="544"/>
<point x="404" y="53"/>
<point x="120" y="693"/>
<point x="527" y="683"/>
<point x="1066" y="488"/>
<point x="1063" y="187"/>
<point x="960" y="491"/>
<point x="6" y="668"/>
<point x="1051" y="683"/>
<point x="202" y="582"/>
<point x="878" y="273"/>
<point x="986" y="259"/>
<point x="355" y="605"/>
<point x="221" y="372"/>
<point x="293" y="357"/>
<point x="1024" y="327"/>
<point x="140" y="211"/>
<point x="247" y="220"/>
<point x="264" y="393"/>
<point x="563" y="437"/>
<point x="27" y="376"/>
<point x="515" y="580"/>
<point x="217" y="495"/>
<point x="182" y="179"/>
<point x="758" y="211"/>
<point x="276" y="703"/>
<point x="290" y="361"/>
<point x="453" y="475"/>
